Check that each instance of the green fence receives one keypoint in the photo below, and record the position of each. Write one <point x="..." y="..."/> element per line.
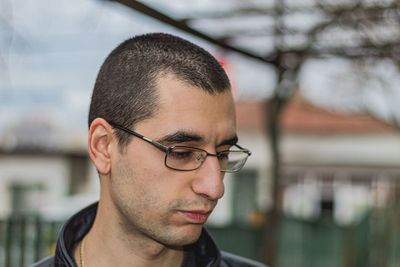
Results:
<point x="24" y="240"/>
<point x="374" y="241"/>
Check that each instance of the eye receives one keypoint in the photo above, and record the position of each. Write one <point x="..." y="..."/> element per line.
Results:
<point x="223" y="155"/>
<point x="181" y="154"/>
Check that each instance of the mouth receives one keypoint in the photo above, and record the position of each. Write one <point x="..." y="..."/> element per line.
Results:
<point x="196" y="216"/>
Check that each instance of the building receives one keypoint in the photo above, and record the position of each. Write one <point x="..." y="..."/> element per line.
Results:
<point x="335" y="163"/>
<point x="43" y="171"/>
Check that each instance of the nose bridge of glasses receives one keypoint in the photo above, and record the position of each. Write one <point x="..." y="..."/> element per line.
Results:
<point x="214" y="157"/>
<point x="201" y="156"/>
<point x="212" y="161"/>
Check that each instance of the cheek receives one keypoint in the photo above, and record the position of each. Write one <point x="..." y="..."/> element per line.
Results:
<point x="140" y="189"/>
<point x="142" y="183"/>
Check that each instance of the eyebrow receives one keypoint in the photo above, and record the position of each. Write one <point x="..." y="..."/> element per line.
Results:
<point x="230" y="141"/>
<point x="181" y="137"/>
<point x="187" y="136"/>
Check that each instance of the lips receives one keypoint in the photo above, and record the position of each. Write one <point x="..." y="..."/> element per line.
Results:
<point x="196" y="216"/>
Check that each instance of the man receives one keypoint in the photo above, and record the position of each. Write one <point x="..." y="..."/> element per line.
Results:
<point x="162" y="134"/>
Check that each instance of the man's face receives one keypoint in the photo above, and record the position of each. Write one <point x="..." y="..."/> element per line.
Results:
<point x="166" y="205"/>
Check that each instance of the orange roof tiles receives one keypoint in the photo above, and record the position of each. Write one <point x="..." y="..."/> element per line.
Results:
<point x="300" y="116"/>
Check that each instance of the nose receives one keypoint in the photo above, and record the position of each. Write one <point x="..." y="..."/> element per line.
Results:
<point x="209" y="180"/>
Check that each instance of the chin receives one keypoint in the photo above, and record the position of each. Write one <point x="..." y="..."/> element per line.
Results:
<point x="192" y="239"/>
<point x="184" y="237"/>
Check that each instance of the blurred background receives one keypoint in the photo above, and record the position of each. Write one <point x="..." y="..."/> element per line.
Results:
<point x="317" y="89"/>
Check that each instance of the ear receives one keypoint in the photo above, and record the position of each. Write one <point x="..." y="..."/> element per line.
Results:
<point x="100" y="145"/>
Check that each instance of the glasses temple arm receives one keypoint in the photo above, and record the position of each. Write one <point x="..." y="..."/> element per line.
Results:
<point x="156" y="144"/>
<point x="244" y="149"/>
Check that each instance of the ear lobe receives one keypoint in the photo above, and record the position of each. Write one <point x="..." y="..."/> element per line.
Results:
<point x="99" y="145"/>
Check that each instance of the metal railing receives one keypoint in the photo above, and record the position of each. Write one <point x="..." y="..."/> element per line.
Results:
<point x="26" y="239"/>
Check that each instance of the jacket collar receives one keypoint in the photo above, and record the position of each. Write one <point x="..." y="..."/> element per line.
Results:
<point x="205" y="250"/>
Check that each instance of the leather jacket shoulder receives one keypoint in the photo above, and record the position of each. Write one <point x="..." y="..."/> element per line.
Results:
<point x="46" y="262"/>
<point x="231" y="260"/>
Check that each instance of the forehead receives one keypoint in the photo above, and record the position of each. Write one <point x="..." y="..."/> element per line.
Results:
<point x="182" y="106"/>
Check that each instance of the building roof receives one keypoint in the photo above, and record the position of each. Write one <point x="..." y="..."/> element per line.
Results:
<point x="299" y="116"/>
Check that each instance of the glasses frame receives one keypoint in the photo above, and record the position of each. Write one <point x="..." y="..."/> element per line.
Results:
<point x="167" y="149"/>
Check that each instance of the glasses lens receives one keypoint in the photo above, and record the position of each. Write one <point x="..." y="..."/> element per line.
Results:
<point x="232" y="161"/>
<point x="185" y="158"/>
<point x="188" y="158"/>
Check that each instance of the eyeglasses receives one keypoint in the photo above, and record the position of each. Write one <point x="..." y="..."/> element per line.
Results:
<point x="186" y="158"/>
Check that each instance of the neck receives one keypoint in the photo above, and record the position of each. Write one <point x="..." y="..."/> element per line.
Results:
<point x="107" y="245"/>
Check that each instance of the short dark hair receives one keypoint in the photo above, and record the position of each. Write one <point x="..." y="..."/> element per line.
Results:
<point x="124" y="92"/>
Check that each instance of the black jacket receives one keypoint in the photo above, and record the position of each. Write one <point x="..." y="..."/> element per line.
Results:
<point x="204" y="252"/>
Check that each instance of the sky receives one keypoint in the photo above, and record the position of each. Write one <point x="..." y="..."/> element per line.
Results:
<point x="51" y="51"/>
<point x="54" y="51"/>
<point x="375" y="91"/>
